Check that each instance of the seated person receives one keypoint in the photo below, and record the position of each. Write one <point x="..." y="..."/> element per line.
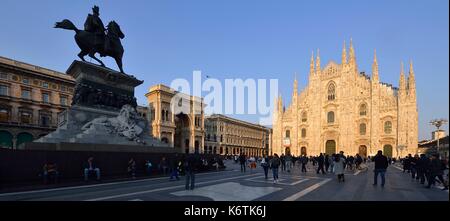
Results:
<point x="50" y="169"/>
<point x="148" y="167"/>
<point x="89" y="167"/>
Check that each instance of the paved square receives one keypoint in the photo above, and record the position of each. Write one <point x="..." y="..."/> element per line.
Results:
<point x="229" y="191"/>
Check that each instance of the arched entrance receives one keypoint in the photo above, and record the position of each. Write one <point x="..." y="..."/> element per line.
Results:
<point x="362" y="151"/>
<point x="387" y="150"/>
<point x="24" y="138"/>
<point x="330" y="147"/>
<point x="303" y="151"/>
<point x="6" y="139"/>
<point x="182" y="132"/>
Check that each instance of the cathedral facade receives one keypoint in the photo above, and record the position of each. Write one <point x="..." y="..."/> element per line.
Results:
<point x="342" y="109"/>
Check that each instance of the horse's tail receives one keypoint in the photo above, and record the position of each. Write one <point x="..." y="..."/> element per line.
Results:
<point x="66" y="24"/>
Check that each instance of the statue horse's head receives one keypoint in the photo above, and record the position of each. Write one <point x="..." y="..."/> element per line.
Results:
<point x="114" y="29"/>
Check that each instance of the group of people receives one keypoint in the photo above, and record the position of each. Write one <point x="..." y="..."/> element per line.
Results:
<point x="177" y="165"/>
<point x="423" y="168"/>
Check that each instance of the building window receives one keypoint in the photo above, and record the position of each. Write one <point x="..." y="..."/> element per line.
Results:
<point x="221" y="138"/>
<point x="163" y="115"/>
<point x="45" y="98"/>
<point x="25" y="81"/>
<point x="304" y="117"/>
<point x="3" y="76"/>
<point x="26" y="94"/>
<point x="387" y="127"/>
<point x="25" y="117"/>
<point x="362" y="129"/>
<point x="63" y="100"/>
<point x="4" y="114"/>
<point x="288" y="133"/>
<point x="63" y="88"/>
<point x="303" y="133"/>
<point x="330" y="117"/>
<point x="45" y="120"/>
<point x="4" y="90"/>
<point x="45" y="84"/>
<point x="331" y="92"/>
<point x="363" y="110"/>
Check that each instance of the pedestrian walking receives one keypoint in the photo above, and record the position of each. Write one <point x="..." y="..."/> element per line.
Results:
<point x="421" y="166"/>
<point x="327" y="162"/>
<point x="288" y="161"/>
<point x="436" y="168"/>
<point x="283" y="162"/>
<point x="190" y="167"/>
<point x="338" y="167"/>
<point x="242" y="161"/>
<point x="304" y="161"/>
<point x="174" y="167"/>
<point x="274" y="165"/>
<point x="414" y="161"/>
<point x="320" y="161"/>
<point x="265" y="165"/>
<point x="381" y="164"/>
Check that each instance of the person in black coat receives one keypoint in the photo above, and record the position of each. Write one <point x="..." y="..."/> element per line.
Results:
<point x="242" y="161"/>
<point x="191" y="166"/>
<point x="421" y="167"/>
<point x="320" y="161"/>
<point x="381" y="164"/>
<point x="436" y="168"/>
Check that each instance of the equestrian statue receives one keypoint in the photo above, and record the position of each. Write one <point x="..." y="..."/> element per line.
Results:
<point x="95" y="38"/>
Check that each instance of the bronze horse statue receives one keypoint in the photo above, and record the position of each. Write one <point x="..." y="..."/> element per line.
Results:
<point x="91" y="43"/>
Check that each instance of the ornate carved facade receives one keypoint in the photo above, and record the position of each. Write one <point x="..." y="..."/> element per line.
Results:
<point x="342" y="109"/>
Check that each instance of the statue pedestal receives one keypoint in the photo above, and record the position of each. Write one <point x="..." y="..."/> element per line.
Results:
<point x="100" y="99"/>
<point x="102" y="87"/>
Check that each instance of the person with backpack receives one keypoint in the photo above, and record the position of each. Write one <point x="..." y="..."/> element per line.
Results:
<point x="274" y="165"/>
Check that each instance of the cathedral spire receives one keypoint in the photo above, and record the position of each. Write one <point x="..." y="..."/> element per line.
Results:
<point x="318" y="62"/>
<point x="352" y="52"/>
<point x="402" y="79"/>
<point x="344" y="55"/>
<point x="411" y="77"/>
<point x="295" y="92"/>
<point x="311" y="64"/>
<point x="375" y="67"/>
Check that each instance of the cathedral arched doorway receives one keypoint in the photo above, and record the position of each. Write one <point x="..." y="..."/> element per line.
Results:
<point x="330" y="147"/>
<point x="303" y="151"/>
<point x="362" y="151"/>
<point x="387" y="150"/>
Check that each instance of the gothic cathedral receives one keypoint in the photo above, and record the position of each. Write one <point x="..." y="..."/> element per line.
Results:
<point x="343" y="110"/>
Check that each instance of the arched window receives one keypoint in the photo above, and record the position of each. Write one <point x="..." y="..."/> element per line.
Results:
<point x="288" y="133"/>
<point x="331" y="91"/>
<point x="163" y="115"/>
<point x="362" y="129"/>
<point x="363" y="110"/>
<point x="303" y="133"/>
<point x="330" y="117"/>
<point x="304" y="117"/>
<point x="387" y="127"/>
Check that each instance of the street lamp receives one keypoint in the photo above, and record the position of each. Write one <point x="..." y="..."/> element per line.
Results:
<point x="438" y="123"/>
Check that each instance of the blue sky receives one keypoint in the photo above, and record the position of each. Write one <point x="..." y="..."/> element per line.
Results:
<point x="169" y="39"/>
